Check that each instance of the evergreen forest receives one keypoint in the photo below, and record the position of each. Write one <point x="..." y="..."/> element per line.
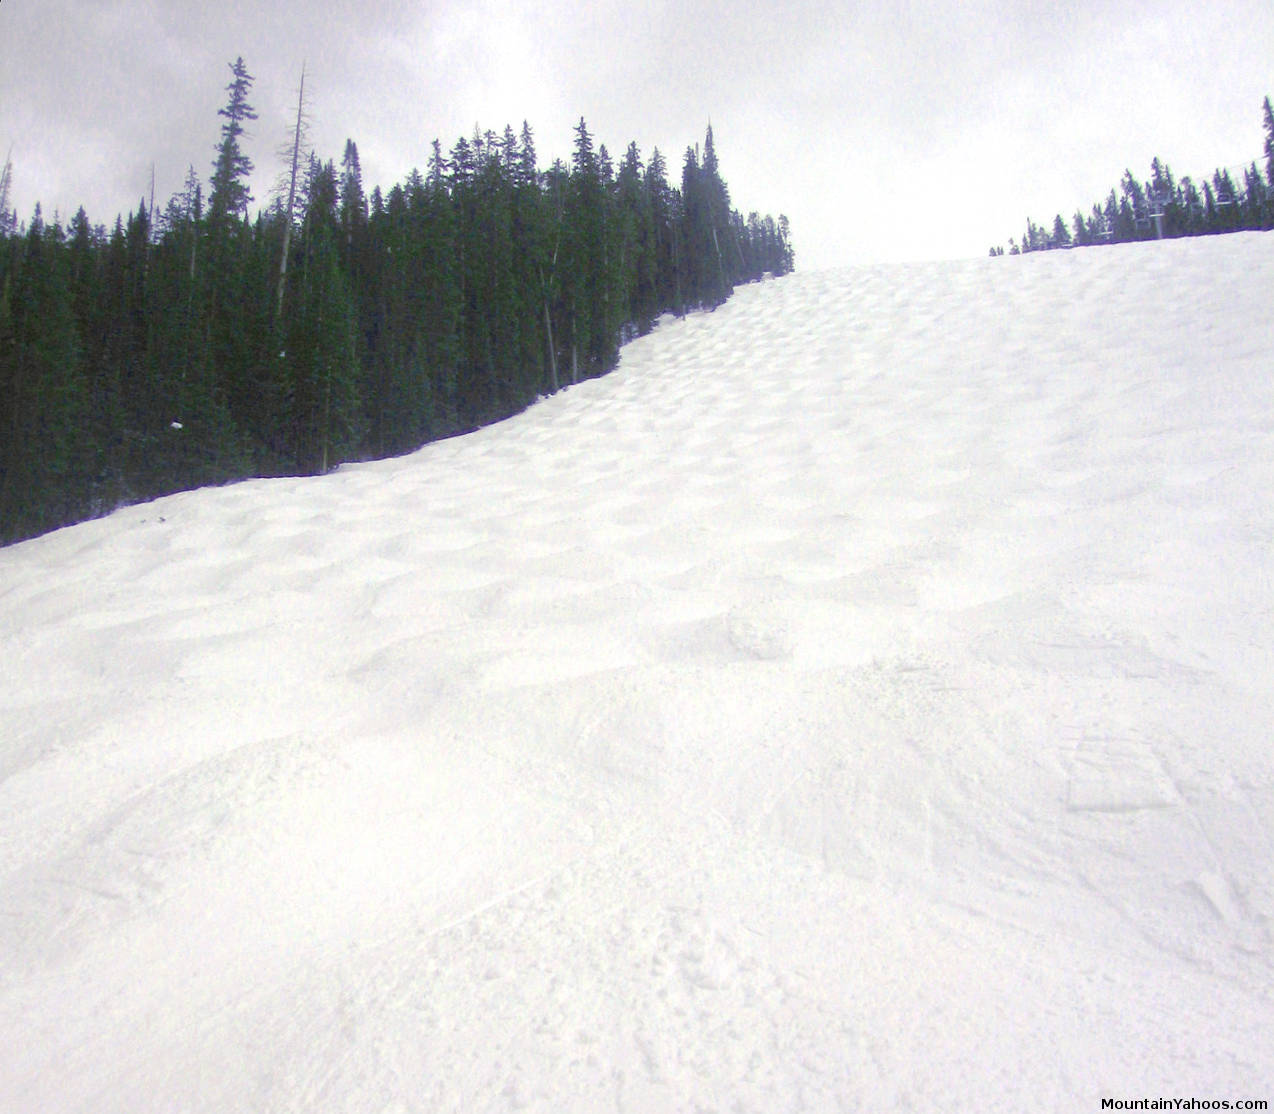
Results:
<point x="1236" y="199"/>
<point x="199" y="344"/>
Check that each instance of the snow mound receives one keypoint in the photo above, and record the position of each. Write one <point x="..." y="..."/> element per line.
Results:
<point x="858" y="700"/>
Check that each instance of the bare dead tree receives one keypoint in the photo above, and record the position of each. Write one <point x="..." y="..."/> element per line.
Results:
<point x="6" y="181"/>
<point x="300" y="141"/>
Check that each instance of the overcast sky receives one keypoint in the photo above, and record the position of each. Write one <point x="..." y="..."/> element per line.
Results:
<point x="885" y="131"/>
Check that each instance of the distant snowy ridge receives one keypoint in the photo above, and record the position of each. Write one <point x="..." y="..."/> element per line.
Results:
<point x="857" y="700"/>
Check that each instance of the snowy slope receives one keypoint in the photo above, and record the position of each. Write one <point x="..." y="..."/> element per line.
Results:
<point x="860" y="700"/>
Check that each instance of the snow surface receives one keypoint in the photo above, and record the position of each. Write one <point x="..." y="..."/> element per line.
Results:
<point x="860" y="700"/>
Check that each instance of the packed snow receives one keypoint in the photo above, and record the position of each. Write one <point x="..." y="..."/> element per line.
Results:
<point x="860" y="700"/>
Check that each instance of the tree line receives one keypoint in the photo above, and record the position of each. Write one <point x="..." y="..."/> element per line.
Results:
<point x="1165" y="206"/>
<point x="197" y="345"/>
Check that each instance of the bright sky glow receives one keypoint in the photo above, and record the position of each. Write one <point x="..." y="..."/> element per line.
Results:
<point x="926" y="129"/>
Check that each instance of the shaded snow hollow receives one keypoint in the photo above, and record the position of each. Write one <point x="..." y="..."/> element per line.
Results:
<point x="860" y="700"/>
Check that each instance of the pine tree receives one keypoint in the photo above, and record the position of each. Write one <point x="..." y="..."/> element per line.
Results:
<point x="357" y="260"/>
<point x="664" y="208"/>
<point x="8" y="221"/>
<point x="96" y="288"/>
<point x="388" y="328"/>
<point x="611" y="318"/>
<point x="237" y="315"/>
<point x="1111" y="217"/>
<point x="43" y="466"/>
<point x="585" y="273"/>
<point x="530" y="246"/>
<point x="353" y="200"/>
<point x="1227" y="208"/>
<point x="200" y="346"/>
<point x="230" y="196"/>
<point x="1192" y="209"/>
<point x="637" y="243"/>
<point x="119" y="377"/>
<point x="1269" y="143"/>
<point x="321" y="400"/>
<point x="1081" y="231"/>
<point x="441" y="313"/>
<point x="716" y="199"/>
<point x="551" y="266"/>
<point x="787" y="254"/>
<point x="498" y="298"/>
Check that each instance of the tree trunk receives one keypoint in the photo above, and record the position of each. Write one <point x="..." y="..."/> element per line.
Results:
<point x="720" y="264"/>
<point x="548" y="327"/>
<point x="287" y="222"/>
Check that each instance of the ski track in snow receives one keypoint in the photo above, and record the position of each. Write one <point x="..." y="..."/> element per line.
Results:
<point x="858" y="700"/>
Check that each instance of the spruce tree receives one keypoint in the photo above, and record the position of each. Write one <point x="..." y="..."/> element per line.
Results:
<point x="1269" y="143"/>
<point x="189" y="349"/>
<point x="320" y="408"/>
<point x="636" y="238"/>
<point x="236" y="305"/>
<point x="230" y="196"/>
<point x="353" y="200"/>
<point x="665" y="224"/>
<point x="530" y="244"/>
<point x="551" y="267"/>
<point x="43" y="467"/>
<point x="8" y="220"/>
<point x="585" y="273"/>
<point x="716" y="198"/>
<point x="440" y="315"/>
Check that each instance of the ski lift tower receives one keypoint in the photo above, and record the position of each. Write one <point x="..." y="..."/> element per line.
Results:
<point x="1156" y="202"/>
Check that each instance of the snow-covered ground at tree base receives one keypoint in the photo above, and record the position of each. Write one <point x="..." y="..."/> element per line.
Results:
<point x="862" y="699"/>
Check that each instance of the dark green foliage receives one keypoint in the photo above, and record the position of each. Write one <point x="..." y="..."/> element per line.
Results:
<point x="1165" y="208"/>
<point x="708" y="234"/>
<point x="1269" y="142"/>
<point x="230" y="196"/>
<point x="46" y="467"/>
<point x="322" y="352"/>
<point x="202" y="347"/>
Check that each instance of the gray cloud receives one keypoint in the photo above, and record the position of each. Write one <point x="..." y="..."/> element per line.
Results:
<point x="930" y="127"/>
